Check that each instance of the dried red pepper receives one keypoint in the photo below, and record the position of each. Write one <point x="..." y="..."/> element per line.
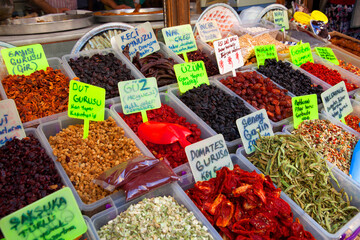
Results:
<point x="41" y="94"/>
<point x="353" y="122"/>
<point x="328" y="75"/>
<point x="174" y="152"/>
<point x="251" y="208"/>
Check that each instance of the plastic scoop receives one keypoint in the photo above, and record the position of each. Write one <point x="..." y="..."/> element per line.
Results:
<point x="355" y="163"/>
<point x="164" y="133"/>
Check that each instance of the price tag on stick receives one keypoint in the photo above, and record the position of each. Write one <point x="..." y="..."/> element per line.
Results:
<point x="141" y="39"/>
<point x="228" y="54"/>
<point x="264" y="52"/>
<point x="139" y="95"/>
<point x="337" y="102"/>
<point x="190" y="75"/>
<point x="10" y="123"/>
<point x="180" y="39"/>
<point x="281" y="18"/>
<point x="301" y="54"/>
<point x="208" y="156"/>
<point x="304" y="108"/>
<point x="250" y="126"/>
<point x="327" y="54"/>
<point x="24" y="60"/>
<point x="86" y="102"/>
<point x="208" y="31"/>
<point x="56" y="216"/>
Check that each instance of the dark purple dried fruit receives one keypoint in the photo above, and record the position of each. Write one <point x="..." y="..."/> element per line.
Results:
<point x="211" y="68"/>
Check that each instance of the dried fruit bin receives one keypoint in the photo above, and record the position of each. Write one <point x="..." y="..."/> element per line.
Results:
<point x="232" y="145"/>
<point x="54" y="63"/>
<point x="167" y="52"/>
<point x="344" y="56"/>
<point x="352" y="78"/>
<point x="172" y="189"/>
<point x="314" y="80"/>
<point x="52" y="128"/>
<point x="276" y="125"/>
<point x="181" y="111"/>
<point x="134" y="72"/>
<point x="309" y="223"/>
<point x="187" y="181"/>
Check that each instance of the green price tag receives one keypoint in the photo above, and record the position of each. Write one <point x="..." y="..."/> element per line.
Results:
<point x="337" y="102"/>
<point x="180" y="39"/>
<point x="265" y="52"/>
<point x="56" y="216"/>
<point x="190" y="75"/>
<point x="139" y="95"/>
<point x="281" y="18"/>
<point x="327" y="54"/>
<point x="24" y="60"/>
<point x="86" y="102"/>
<point x="200" y="153"/>
<point x="304" y="108"/>
<point x="301" y="54"/>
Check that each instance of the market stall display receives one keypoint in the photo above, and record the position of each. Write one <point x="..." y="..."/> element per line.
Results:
<point x="41" y="96"/>
<point x="305" y="37"/>
<point x="45" y="24"/>
<point x="198" y="55"/>
<point x="347" y="43"/>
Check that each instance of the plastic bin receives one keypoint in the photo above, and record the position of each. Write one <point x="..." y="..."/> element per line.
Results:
<point x="352" y="78"/>
<point x="181" y="111"/>
<point x="340" y="55"/>
<point x="289" y="128"/>
<point x="55" y="63"/>
<point x="168" y="53"/>
<point x="271" y="28"/>
<point x="134" y="72"/>
<point x="276" y="125"/>
<point x="232" y="145"/>
<point x="52" y="128"/>
<point x="90" y="233"/>
<point x="309" y="223"/>
<point x="187" y="181"/>
<point x="172" y="189"/>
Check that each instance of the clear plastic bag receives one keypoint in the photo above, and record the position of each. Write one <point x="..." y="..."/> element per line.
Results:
<point x="137" y="176"/>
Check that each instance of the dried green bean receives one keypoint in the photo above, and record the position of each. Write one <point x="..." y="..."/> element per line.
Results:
<point x="300" y="171"/>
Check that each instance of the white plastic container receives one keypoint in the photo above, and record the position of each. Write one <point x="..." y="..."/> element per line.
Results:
<point x="269" y="27"/>
<point x="134" y="72"/>
<point x="309" y="223"/>
<point x="171" y="101"/>
<point x="54" y="63"/>
<point x="276" y="125"/>
<point x="232" y="145"/>
<point x="168" y="53"/>
<point x="90" y="233"/>
<point x="52" y="128"/>
<point x="172" y="189"/>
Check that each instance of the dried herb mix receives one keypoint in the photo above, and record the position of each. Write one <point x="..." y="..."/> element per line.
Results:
<point x="155" y="218"/>
<point x="302" y="174"/>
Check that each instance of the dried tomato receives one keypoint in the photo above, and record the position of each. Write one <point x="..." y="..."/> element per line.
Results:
<point x="252" y="210"/>
<point x="353" y="122"/>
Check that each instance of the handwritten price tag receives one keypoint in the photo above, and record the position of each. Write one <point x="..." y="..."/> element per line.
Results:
<point x="327" y="54"/>
<point x="141" y="39"/>
<point x="281" y="18"/>
<point x="304" y="108"/>
<point x="55" y="216"/>
<point x="180" y="39"/>
<point x="139" y="95"/>
<point x="208" y="156"/>
<point x="190" y="75"/>
<point x="301" y="54"/>
<point x="24" y="60"/>
<point x="336" y="101"/>
<point x="265" y="52"/>
<point x="208" y="31"/>
<point x="10" y="123"/>
<point x="86" y="102"/>
<point x="228" y="54"/>
<point x="248" y="126"/>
